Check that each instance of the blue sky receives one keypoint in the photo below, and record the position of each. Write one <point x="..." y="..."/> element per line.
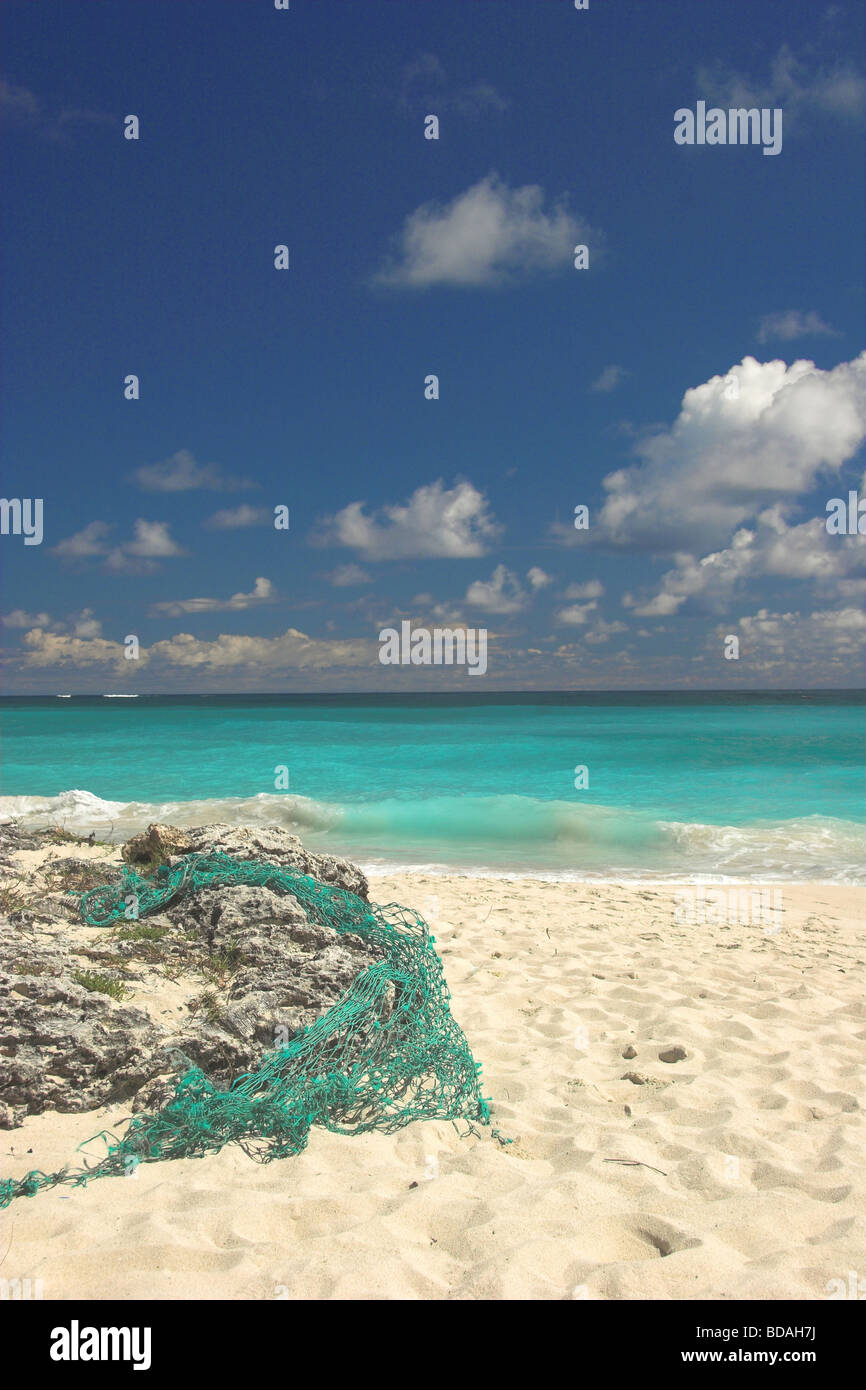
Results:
<point x="699" y="387"/>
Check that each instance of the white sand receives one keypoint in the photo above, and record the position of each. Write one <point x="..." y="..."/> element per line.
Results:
<point x="744" y="1176"/>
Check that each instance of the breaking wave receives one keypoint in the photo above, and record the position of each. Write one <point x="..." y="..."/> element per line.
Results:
<point x="492" y="834"/>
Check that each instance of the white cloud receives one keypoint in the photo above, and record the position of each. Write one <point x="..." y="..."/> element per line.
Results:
<point x="609" y="379"/>
<point x="262" y="592"/>
<point x="799" y="89"/>
<point x="60" y="650"/>
<point x="823" y="639"/>
<point x="793" y="324"/>
<point x="764" y="433"/>
<point x="85" y="625"/>
<point x="181" y="473"/>
<point x="151" y="541"/>
<point x="81" y="624"/>
<point x="292" y="650"/>
<point x="346" y="576"/>
<point x="577" y="614"/>
<point x="489" y="235"/>
<point x="592" y="588"/>
<point x="537" y="577"/>
<point x="89" y="541"/>
<point x="20" y="618"/>
<point x="436" y="522"/>
<point x="502" y="593"/>
<point x="233" y="518"/>
<point x="772" y="549"/>
<point x="603" y="631"/>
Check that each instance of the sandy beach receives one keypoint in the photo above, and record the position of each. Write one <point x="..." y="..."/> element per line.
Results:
<point x="683" y="1100"/>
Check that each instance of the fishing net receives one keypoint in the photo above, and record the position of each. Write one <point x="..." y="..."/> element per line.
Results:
<point x="386" y="1053"/>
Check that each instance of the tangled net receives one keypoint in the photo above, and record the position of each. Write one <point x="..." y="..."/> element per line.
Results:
<point x="387" y="1053"/>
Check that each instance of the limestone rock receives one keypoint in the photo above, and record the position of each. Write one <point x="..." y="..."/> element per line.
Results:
<point x="155" y="845"/>
<point x="276" y="846"/>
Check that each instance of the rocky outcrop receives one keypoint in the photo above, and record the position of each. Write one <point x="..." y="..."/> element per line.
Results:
<point x="155" y="845"/>
<point x="254" y="969"/>
<point x="276" y="846"/>
<point x="64" y="1047"/>
<point x="271" y="974"/>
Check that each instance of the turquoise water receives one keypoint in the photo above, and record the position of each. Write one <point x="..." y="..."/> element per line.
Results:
<point x="750" y="787"/>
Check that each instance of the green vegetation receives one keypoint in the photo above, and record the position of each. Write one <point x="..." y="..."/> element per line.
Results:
<point x="100" y="984"/>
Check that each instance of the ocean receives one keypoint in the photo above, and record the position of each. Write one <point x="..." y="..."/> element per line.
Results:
<point x="762" y="787"/>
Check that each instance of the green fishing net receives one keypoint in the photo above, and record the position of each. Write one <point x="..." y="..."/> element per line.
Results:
<point x="388" y="1052"/>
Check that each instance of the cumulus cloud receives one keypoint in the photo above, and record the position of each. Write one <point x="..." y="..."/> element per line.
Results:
<point x="233" y="518"/>
<point x="89" y="541"/>
<point x="151" y="541"/>
<point x="64" y="650"/>
<point x="292" y="650"/>
<point x="347" y="576"/>
<point x="19" y="617"/>
<point x="229" y="652"/>
<point x="181" y="473"/>
<point x="576" y="614"/>
<point x="262" y="592"/>
<point x="82" y="624"/>
<point x="436" y="521"/>
<point x="502" y="593"/>
<point x="601" y="631"/>
<point x="592" y="588"/>
<point x="86" y="625"/>
<point x="489" y="235"/>
<point x="772" y="549"/>
<point x="822" y="640"/>
<point x="537" y="577"/>
<point x="762" y="434"/>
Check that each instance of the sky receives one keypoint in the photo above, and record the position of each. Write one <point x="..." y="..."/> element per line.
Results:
<point x="437" y="381"/>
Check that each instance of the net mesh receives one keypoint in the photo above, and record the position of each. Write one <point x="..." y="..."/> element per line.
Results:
<point x="386" y="1053"/>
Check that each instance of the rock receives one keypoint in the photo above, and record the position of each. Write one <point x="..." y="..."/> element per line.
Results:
<point x="673" y="1054"/>
<point x="258" y="972"/>
<point x="282" y="973"/>
<point x="155" y="845"/>
<point x="276" y="846"/>
<point x="65" y="1047"/>
<point x="629" y="1052"/>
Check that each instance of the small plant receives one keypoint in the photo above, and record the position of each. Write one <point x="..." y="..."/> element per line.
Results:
<point x="206" y="1003"/>
<point x="12" y="899"/>
<point x="71" y="877"/>
<point x="223" y="963"/>
<point x="100" y="984"/>
<point x="142" y="939"/>
<point x="172" y="970"/>
<point x="140" y="931"/>
<point x="59" y="835"/>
